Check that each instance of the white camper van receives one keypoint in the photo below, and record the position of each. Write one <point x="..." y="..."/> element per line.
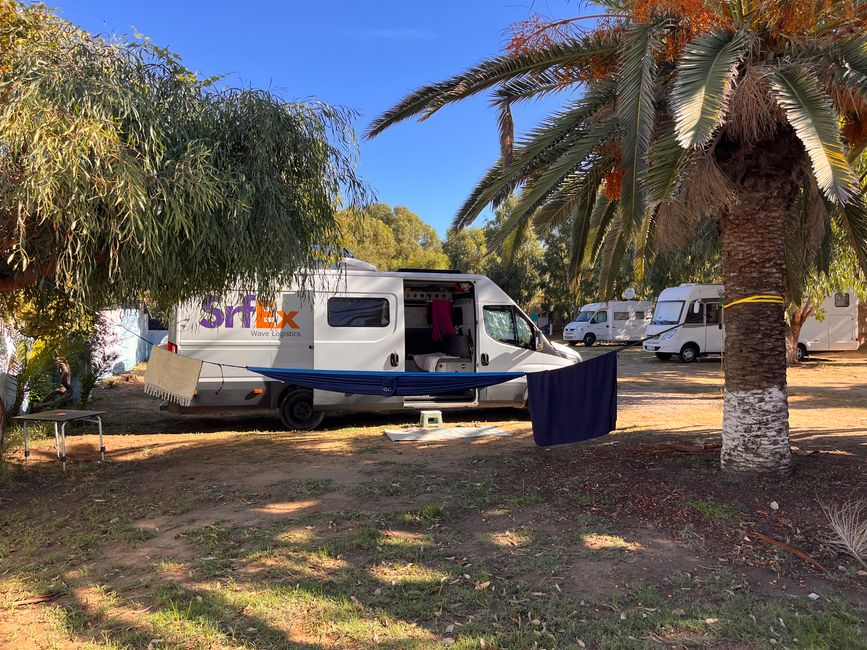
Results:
<point x="614" y="320"/>
<point x="699" y="308"/>
<point x="359" y="318"/>
<point x="838" y="329"/>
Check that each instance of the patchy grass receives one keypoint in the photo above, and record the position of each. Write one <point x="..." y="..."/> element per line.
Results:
<point x="716" y="511"/>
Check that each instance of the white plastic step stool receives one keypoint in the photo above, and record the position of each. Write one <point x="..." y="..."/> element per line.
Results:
<point x="431" y="419"/>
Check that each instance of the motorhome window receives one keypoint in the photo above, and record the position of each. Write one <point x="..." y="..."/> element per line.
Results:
<point x="639" y="315"/>
<point x="584" y="316"/>
<point x="358" y="312"/>
<point x="692" y="316"/>
<point x="524" y="331"/>
<point x="713" y="313"/>
<point x="841" y="299"/>
<point x="600" y="317"/>
<point x="503" y="324"/>
<point x="621" y="315"/>
<point x="667" y="312"/>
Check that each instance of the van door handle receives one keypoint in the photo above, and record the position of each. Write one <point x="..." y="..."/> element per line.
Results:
<point x="485" y="359"/>
<point x="394" y="359"/>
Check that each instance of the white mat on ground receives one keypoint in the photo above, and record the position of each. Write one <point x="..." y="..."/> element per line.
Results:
<point x="435" y="435"/>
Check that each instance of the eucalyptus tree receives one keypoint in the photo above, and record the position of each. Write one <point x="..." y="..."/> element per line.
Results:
<point x="688" y="109"/>
<point x="123" y="175"/>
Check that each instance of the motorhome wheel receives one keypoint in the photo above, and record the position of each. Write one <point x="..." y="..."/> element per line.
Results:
<point x="802" y="352"/>
<point x="663" y="356"/>
<point x="689" y="353"/>
<point x="589" y="340"/>
<point x="297" y="412"/>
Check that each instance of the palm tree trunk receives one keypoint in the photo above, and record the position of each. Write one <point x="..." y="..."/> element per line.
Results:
<point x="755" y="437"/>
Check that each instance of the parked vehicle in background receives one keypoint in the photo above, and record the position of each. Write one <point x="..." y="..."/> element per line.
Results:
<point x="613" y="320"/>
<point x="838" y="328"/>
<point x="359" y="318"/>
<point x="697" y="308"/>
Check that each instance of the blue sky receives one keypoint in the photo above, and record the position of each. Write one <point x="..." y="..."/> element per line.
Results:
<point x="364" y="55"/>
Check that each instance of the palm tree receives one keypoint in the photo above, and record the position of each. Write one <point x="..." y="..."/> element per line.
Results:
<point x="744" y="111"/>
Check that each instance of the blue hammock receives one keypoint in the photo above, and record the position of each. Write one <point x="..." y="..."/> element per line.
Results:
<point x="386" y="384"/>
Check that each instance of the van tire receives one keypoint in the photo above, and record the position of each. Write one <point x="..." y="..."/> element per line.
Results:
<point x="297" y="412"/>
<point x="689" y="353"/>
<point x="663" y="356"/>
<point x="589" y="340"/>
<point x="801" y="352"/>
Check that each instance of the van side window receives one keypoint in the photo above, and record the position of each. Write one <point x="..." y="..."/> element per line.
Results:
<point x="600" y="317"/>
<point x="358" y="312"/>
<point x="639" y="315"/>
<point x="621" y="315"/>
<point x="841" y="299"/>
<point x="504" y="325"/>
<point x="713" y="313"/>
<point x="692" y="317"/>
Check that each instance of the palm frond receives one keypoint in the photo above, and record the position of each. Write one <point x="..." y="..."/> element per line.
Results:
<point x="644" y="246"/>
<point x="668" y="160"/>
<point x="603" y="213"/>
<point x="540" y="188"/>
<point x="427" y="100"/>
<point x="852" y="216"/>
<point x="526" y="87"/>
<point x="705" y="73"/>
<point x="806" y="225"/>
<point x="811" y="114"/>
<point x="545" y="143"/>
<point x="611" y="254"/>
<point x="636" y="113"/>
<point x="580" y="226"/>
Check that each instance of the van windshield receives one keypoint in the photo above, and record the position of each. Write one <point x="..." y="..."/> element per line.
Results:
<point x="584" y="316"/>
<point x="667" y="312"/>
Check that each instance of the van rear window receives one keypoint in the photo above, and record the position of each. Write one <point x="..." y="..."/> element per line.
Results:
<point x="358" y="312"/>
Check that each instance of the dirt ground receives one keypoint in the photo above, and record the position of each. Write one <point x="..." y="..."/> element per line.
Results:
<point x="229" y="532"/>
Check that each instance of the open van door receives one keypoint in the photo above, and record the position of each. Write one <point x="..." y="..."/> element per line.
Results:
<point x="507" y="343"/>
<point x="713" y="328"/>
<point x="359" y="325"/>
<point x="842" y="322"/>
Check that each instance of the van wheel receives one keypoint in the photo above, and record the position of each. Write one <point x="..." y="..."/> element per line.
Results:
<point x="663" y="356"/>
<point x="589" y="340"/>
<point x="689" y="353"/>
<point x="801" y="353"/>
<point x="297" y="412"/>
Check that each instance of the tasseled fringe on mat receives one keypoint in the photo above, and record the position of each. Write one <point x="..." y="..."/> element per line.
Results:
<point x="162" y="393"/>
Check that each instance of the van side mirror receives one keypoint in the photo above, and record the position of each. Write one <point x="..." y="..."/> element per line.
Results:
<point x="696" y="307"/>
<point x="537" y="341"/>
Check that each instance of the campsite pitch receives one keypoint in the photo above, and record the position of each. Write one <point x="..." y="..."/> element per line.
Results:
<point x="229" y="533"/>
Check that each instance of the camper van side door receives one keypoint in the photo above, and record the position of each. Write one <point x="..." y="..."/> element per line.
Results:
<point x="507" y="341"/>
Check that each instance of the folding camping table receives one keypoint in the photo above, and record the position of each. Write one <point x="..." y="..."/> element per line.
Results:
<point x="62" y="417"/>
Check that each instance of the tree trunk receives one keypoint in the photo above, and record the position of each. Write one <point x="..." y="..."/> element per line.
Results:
<point x="793" y="331"/>
<point x="766" y="176"/>
<point x="2" y="424"/>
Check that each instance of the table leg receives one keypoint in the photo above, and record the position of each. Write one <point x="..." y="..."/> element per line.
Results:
<point x="63" y="446"/>
<point x="57" y="440"/>
<point x="26" y="441"/>
<point x="101" y="444"/>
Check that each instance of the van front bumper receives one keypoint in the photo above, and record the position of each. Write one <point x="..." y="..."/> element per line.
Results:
<point x="652" y="345"/>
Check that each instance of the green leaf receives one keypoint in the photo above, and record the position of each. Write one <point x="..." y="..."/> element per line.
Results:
<point x="705" y="73"/>
<point x="636" y="113"/>
<point x="814" y="119"/>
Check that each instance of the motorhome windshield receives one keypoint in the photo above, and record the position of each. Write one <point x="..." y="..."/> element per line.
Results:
<point x="667" y="312"/>
<point x="584" y="316"/>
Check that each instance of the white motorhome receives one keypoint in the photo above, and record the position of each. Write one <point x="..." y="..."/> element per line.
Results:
<point x="358" y="318"/>
<point x="613" y="320"/>
<point x="698" y="309"/>
<point x="838" y="329"/>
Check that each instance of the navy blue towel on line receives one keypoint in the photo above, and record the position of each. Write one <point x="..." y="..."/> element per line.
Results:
<point x="574" y="403"/>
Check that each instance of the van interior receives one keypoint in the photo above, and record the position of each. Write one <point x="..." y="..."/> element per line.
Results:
<point x="440" y="326"/>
